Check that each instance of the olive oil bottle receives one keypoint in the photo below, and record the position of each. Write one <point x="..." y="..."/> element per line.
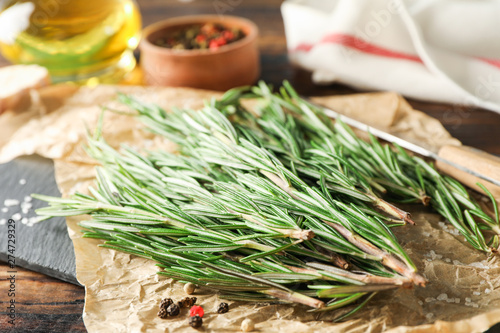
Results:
<point x="84" y="41"/>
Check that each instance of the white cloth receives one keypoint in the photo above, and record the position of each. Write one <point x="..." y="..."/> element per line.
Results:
<point x="436" y="50"/>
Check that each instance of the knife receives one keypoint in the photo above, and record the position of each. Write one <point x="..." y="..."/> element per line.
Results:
<point x="466" y="164"/>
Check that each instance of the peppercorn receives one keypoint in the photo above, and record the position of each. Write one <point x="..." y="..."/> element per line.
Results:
<point x="189" y="288"/>
<point x="165" y="303"/>
<point x="223" y="308"/>
<point x="247" y="325"/>
<point x="162" y="313"/>
<point x="187" y="302"/>
<point x="173" y="310"/>
<point x="209" y="35"/>
<point x="195" y="322"/>
<point x="196" y="311"/>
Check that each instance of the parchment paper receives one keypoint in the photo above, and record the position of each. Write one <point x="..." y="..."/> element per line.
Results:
<point x="123" y="292"/>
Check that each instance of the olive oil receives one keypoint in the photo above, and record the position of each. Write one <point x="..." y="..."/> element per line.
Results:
<point x="85" y="41"/>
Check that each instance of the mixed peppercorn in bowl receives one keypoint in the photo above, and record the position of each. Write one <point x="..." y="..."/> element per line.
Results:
<point x="203" y="51"/>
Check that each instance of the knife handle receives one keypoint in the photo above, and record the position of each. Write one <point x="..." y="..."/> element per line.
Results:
<point x="473" y="159"/>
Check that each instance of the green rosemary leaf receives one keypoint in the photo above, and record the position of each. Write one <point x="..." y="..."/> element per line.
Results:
<point x="288" y="276"/>
<point x="270" y="252"/>
<point x="107" y="226"/>
<point x="356" y="309"/>
<point x="493" y="201"/>
<point x="340" y="302"/>
<point x="339" y="291"/>
<point x="207" y="248"/>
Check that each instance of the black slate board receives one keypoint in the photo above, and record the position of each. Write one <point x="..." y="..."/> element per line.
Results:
<point x="44" y="247"/>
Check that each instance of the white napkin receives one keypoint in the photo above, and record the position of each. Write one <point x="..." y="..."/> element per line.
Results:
<point x="435" y="50"/>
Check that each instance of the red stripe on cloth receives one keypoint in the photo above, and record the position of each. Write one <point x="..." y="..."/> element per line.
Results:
<point x="492" y="62"/>
<point x="366" y="47"/>
<point x="360" y="45"/>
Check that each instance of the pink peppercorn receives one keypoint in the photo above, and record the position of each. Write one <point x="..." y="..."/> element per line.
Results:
<point x="196" y="310"/>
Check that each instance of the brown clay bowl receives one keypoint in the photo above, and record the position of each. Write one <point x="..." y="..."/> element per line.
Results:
<point x="231" y="65"/>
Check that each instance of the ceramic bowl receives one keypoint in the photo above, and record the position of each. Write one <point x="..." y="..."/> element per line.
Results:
<point x="231" y="65"/>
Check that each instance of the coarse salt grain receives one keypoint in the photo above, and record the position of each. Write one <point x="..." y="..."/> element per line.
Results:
<point x="25" y="207"/>
<point x="420" y="303"/>
<point x="475" y="305"/>
<point x="3" y="221"/>
<point x="456" y="262"/>
<point x="5" y="210"/>
<point x="430" y="299"/>
<point x="10" y="202"/>
<point x="482" y="282"/>
<point x="476" y="293"/>
<point x="35" y="219"/>
<point x="447" y="259"/>
<point x="442" y="297"/>
<point x="28" y="198"/>
<point x="24" y="220"/>
<point x="16" y="217"/>
<point x="468" y="299"/>
<point x="22" y="181"/>
<point x="487" y="291"/>
<point x="457" y="300"/>
<point x="429" y="315"/>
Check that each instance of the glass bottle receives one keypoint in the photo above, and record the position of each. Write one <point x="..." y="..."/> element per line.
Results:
<point x="84" y="41"/>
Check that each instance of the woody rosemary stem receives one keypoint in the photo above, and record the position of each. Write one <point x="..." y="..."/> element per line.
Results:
<point x="387" y="259"/>
<point x="295" y="297"/>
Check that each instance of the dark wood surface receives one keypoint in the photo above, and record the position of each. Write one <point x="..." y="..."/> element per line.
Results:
<point x="45" y="304"/>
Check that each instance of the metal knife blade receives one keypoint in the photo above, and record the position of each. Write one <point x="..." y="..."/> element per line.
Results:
<point x="403" y="143"/>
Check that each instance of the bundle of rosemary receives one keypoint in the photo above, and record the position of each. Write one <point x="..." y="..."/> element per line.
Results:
<point x="284" y="206"/>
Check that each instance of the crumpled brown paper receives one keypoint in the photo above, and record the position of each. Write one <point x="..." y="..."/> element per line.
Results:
<point x="123" y="292"/>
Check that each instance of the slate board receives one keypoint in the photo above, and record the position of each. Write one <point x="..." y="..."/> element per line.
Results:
<point x="44" y="247"/>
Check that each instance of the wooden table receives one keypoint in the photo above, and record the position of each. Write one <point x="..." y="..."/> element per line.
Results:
<point x="45" y="304"/>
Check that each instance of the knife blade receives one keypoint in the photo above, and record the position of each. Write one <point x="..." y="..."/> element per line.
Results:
<point x="405" y="144"/>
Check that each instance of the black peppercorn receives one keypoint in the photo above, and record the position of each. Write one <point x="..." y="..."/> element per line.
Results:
<point x="173" y="310"/>
<point x="187" y="302"/>
<point x="223" y="308"/>
<point x="165" y="303"/>
<point x="162" y="313"/>
<point x="195" y="321"/>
